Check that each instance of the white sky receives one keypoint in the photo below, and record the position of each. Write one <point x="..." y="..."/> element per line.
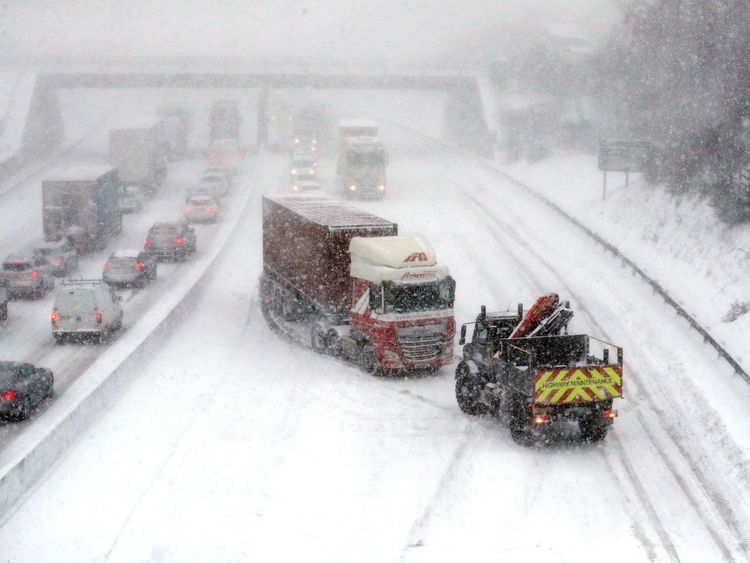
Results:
<point x="384" y="30"/>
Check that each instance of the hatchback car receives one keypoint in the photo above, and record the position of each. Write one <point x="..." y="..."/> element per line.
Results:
<point x="218" y="180"/>
<point x="129" y="268"/>
<point x="61" y="255"/>
<point x="28" y="275"/>
<point x="302" y="165"/>
<point x="22" y="388"/>
<point x="174" y="240"/>
<point x="86" y="309"/>
<point x="201" y="209"/>
<point x="305" y="185"/>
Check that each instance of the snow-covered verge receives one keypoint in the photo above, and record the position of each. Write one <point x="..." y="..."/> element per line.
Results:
<point x="26" y="459"/>
<point x="678" y="241"/>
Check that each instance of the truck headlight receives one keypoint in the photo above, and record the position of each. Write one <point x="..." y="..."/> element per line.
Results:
<point x="352" y="188"/>
<point x="295" y="188"/>
<point x="296" y="141"/>
<point x="294" y="171"/>
<point x="391" y="356"/>
<point x="381" y="188"/>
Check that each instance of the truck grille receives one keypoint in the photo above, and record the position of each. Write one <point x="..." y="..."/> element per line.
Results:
<point x="421" y="347"/>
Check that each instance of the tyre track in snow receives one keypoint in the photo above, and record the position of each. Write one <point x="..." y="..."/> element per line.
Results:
<point x="701" y="495"/>
<point x="692" y="479"/>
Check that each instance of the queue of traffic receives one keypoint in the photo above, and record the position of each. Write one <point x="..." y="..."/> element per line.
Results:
<point x="82" y="209"/>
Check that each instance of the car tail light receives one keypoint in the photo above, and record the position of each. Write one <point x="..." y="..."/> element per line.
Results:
<point x="138" y="266"/>
<point x="541" y="419"/>
<point x="211" y="210"/>
<point x="53" y="317"/>
<point x="610" y="414"/>
<point x="98" y="318"/>
<point x="188" y="210"/>
<point x="179" y="241"/>
<point x="148" y="242"/>
<point x="8" y="395"/>
<point x="106" y="265"/>
<point x="34" y="275"/>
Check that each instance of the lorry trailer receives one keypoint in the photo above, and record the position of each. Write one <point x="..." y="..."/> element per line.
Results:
<point x="82" y="203"/>
<point x="139" y="152"/>
<point x="354" y="286"/>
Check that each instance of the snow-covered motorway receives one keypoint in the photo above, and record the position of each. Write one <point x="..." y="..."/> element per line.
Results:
<point x="234" y="445"/>
<point x="26" y="335"/>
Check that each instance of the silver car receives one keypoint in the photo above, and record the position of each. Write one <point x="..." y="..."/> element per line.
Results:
<point x="61" y="255"/>
<point x="27" y="275"/>
<point x="201" y="208"/>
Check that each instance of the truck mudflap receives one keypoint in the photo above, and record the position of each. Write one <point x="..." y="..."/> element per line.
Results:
<point x="576" y="385"/>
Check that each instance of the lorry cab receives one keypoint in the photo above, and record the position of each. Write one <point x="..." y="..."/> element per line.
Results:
<point x="402" y="300"/>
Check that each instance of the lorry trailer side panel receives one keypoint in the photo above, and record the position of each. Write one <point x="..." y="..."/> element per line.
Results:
<point x="306" y="243"/>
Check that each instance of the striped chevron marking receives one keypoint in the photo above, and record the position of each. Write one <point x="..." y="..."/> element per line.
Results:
<point x="577" y="385"/>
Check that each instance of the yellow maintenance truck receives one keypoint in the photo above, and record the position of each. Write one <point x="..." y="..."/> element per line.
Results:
<point x="528" y="368"/>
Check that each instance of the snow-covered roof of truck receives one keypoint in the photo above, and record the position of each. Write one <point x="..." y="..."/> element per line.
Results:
<point x="329" y="212"/>
<point x="409" y="259"/>
<point x="81" y="173"/>
<point x="394" y="252"/>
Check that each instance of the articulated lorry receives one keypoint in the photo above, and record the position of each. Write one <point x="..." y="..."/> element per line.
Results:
<point x="353" y="287"/>
<point x="362" y="160"/>
<point x="139" y="152"/>
<point x="527" y="366"/>
<point x="82" y="204"/>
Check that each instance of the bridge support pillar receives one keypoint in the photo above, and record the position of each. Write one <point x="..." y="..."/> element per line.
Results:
<point x="44" y="130"/>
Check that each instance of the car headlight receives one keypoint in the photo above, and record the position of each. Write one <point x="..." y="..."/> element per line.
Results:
<point x="352" y="188"/>
<point x="294" y="171"/>
<point x="295" y="188"/>
<point x="296" y="141"/>
<point x="381" y="187"/>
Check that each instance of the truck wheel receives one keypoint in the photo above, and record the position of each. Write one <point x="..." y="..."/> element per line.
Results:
<point x="369" y="361"/>
<point x="469" y="390"/>
<point x="520" y="421"/>
<point x="592" y="429"/>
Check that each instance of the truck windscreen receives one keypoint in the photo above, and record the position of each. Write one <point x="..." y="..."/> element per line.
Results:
<point x="404" y="298"/>
<point x="366" y="158"/>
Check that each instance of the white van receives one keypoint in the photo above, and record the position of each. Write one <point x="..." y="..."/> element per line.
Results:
<point x="86" y="308"/>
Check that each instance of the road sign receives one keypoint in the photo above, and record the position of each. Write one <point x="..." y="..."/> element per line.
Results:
<point x="624" y="156"/>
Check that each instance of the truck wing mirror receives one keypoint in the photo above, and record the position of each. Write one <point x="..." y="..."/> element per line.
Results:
<point x="462" y="340"/>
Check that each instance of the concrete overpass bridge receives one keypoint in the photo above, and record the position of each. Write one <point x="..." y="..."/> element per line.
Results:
<point x="465" y="121"/>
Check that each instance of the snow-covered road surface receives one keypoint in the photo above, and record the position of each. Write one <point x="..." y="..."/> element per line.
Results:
<point x="233" y="444"/>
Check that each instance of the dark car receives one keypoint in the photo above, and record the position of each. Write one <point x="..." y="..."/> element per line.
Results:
<point x="22" y="388"/>
<point x="129" y="268"/>
<point x="171" y="240"/>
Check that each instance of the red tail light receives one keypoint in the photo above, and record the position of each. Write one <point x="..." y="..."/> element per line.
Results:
<point x="34" y="275"/>
<point x="8" y="395"/>
<point x="53" y="317"/>
<point x="211" y="210"/>
<point x="610" y="414"/>
<point x="179" y="241"/>
<point x="138" y="266"/>
<point x="188" y="210"/>
<point x="541" y="419"/>
<point x="98" y="318"/>
<point x="148" y="242"/>
<point x="106" y="265"/>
